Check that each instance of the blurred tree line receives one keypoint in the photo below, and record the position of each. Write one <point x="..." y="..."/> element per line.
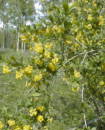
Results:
<point x="13" y="14"/>
<point x="16" y="13"/>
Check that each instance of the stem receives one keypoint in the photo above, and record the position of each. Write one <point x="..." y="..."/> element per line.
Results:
<point x="84" y="115"/>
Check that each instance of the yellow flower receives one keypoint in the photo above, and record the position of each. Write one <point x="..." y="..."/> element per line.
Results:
<point x="38" y="48"/>
<point x="90" y="18"/>
<point x="17" y="128"/>
<point x="77" y="74"/>
<point x="33" y="112"/>
<point x="75" y="89"/>
<point x="23" y="38"/>
<point x="52" y="67"/>
<point x="48" y="45"/>
<point x="40" y="118"/>
<point x="55" y="60"/>
<point x="27" y="127"/>
<point x="19" y="74"/>
<point x="11" y="122"/>
<point x="47" y="54"/>
<point x="101" y="83"/>
<point x="1" y="125"/>
<point x="28" y="69"/>
<point x="38" y="62"/>
<point x="38" y="77"/>
<point x="40" y="108"/>
<point x="6" y="69"/>
<point x="101" y="20"/>
<point x="89" y="26"/>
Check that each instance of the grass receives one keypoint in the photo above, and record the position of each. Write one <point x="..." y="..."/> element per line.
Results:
<point x="12" y="92"/>
<point x="14" y="98"/>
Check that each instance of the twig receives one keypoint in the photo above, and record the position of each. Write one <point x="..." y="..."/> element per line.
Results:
<point x="84" y="58"/>
<point x="84" y="115"/>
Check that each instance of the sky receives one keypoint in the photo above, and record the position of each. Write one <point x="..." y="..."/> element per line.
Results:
<point x="1" y="24"/>
<point x="38" y="8"/>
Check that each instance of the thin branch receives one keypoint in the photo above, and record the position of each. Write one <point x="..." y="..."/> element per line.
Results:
<point x="84" y="58"/>
<point x="82" y="99"/>
<point x="80" y="54"/>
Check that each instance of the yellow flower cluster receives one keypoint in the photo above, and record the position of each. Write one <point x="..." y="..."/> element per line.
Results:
<point x="12" y="125"/>
<point x="23" y="38"/>
<point x="28" y="69"/>
<point x="6" y="69"/>
<point x="53" y="64"/>
<point x="38" y="48"/>
<point x="46" y="57"/>
<point x="55" y="60"/>
<point x="54" y="29"/>
<point x="34" y="112"/>
<point x="47" y="54"/>
<point x="38" y="61"/>
<point x="19" y="74"/>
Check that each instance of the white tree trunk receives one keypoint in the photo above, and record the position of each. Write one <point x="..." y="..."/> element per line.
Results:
<point x="24" y="46"/>
<point x="3" y="45"/>
<point x="17" y="44"/>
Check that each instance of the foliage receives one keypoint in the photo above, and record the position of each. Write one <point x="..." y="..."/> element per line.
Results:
<point x="70" y="43"/>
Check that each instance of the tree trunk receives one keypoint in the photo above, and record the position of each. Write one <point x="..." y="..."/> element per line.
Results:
<point x="17" y="44"/>
<point x="24" y="46"/>
<point x="3" y="45"/>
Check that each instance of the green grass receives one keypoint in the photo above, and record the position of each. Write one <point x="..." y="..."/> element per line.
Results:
<point x="12" y="91"/>
<point x="15" y="97"/>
